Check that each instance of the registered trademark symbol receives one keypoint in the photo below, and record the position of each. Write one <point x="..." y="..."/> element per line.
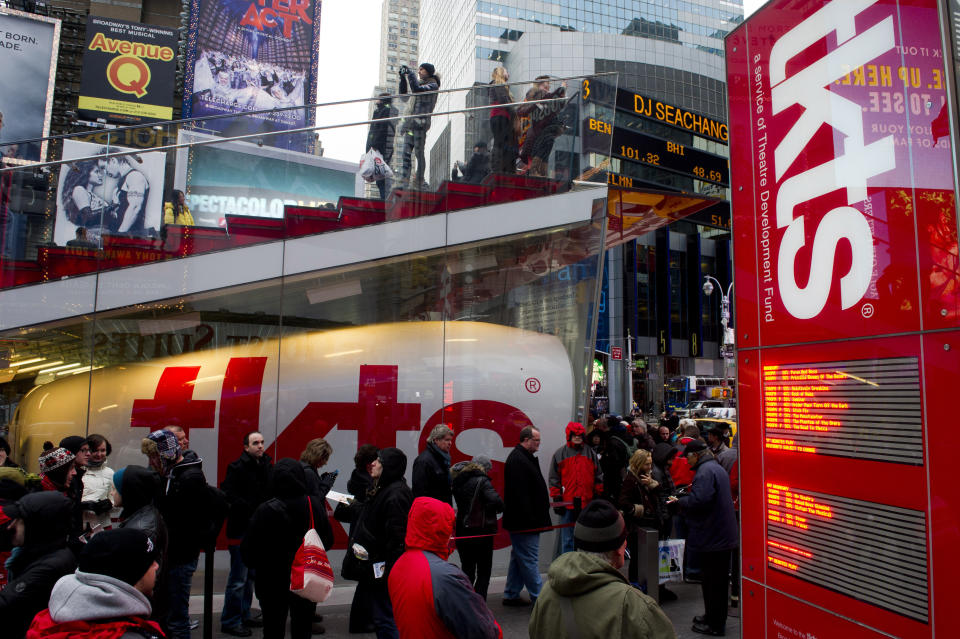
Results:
<point x="867" y="310"/>
<point x="532" y="385"/>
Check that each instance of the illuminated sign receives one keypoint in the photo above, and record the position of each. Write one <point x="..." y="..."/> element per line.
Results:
<point x="669" y="155"/>
<point x="869" y="551"/>
<point x="845" y="408"/>
<point x="848" y="317"/>
<point x="671" y="115"/>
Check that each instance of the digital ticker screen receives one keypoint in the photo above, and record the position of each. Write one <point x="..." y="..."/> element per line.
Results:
<point x="872" y="552"/>
<point x="864" y="409"/>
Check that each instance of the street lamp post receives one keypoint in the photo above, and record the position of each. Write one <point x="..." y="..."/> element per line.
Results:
<point x="728" y="337"/>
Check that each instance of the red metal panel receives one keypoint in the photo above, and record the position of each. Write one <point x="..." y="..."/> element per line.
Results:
<point x="745" y="268"/>
<point x="789" y="618"/>
<point x="941" y="363"/>
<point x="750" y="440"/>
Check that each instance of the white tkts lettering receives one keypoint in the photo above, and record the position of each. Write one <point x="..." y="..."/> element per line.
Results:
<point x="851" y="170"/>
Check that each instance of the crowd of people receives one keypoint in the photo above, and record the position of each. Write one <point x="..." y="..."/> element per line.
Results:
<point x="521" y="136"/>
<point x="94" y="552"/>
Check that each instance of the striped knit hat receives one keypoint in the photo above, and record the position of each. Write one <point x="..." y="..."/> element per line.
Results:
<point x="54" y="459"/>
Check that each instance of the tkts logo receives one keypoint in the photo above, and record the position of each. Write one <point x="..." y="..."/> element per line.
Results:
<point x="128" y="73"/>
<point x="849" y="170"/>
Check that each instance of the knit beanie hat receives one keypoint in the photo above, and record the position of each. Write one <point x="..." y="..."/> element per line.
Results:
<point x="428" y="67"/>
<point x="122" y="553"/>
<point x="73" y="443"/>
<point x="166" y="441"/>
<point x="118" y="478"/>
<point x="599" y="527"/>
<point x="695" y="446"/>
<point x="54" y="459"/>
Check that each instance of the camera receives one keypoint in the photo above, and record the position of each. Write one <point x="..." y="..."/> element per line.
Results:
<point x="404" y="69"/>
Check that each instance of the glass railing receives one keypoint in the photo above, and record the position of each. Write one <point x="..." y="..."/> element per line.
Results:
<point x="106" y="199"/>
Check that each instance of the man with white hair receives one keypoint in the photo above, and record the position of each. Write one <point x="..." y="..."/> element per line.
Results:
<point x="431" y="469"/>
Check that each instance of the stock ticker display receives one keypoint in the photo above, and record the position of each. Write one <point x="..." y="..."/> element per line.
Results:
<point x="864" y="409"/>
<point x="872" y="552"/>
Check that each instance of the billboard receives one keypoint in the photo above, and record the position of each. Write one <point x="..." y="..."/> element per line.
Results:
<point x="252" y="56"/>
<point x="240" y="178"/>
<point x="128" y="72"/>
<point x="119" y="195"/>
<point x="846" y="279"/>
<point x="29" y="44"/>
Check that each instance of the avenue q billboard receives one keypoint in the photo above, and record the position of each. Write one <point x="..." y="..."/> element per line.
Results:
<point x="128" y="72"/>
<point x="847" y="281"/>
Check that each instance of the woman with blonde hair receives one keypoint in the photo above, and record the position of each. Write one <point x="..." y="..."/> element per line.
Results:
<point x="640" y="504"/>
<point x="503" y="158"/>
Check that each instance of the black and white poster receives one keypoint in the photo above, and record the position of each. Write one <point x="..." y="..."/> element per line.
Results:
<point x="120" y="195"/>
<point x="28" y="69"/>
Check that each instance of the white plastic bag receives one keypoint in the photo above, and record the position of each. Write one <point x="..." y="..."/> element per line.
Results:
<point x="671" y="560"/>
<point x="373" y="167"/>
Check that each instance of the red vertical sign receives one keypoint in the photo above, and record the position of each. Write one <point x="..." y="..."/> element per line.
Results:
<point x="845" y="237"/>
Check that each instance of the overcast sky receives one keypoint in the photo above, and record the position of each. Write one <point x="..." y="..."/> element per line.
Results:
<point x="749" y="6"/>
<point x="349" y="68"/>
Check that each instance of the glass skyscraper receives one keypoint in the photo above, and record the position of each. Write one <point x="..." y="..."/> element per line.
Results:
<point x="668" y="50"/>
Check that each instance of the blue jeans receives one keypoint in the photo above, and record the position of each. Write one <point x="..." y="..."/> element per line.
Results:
<point x="382" y="610"/>
<point x="566" y="534"/>
<point x="524" y="569"/>
<point x="178" y="585"/>
<point x="238" y="594"/>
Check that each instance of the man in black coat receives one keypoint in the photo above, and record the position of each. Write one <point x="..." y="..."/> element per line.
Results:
<point x="708" y="509"/>
<point x="245" y="485"/>
<point x="185" y="507"/>
<point x="40" y="523"/>
<point x="526" y="509"/>
<point x="380" y="136"/>
<point x="431" y="468"/>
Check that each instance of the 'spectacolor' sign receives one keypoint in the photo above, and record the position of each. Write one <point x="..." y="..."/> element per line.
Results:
<point x="128" y="71"/>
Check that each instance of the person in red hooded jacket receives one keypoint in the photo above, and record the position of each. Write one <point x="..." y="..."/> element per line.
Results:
<point x="431" y="597"/>
<point x="574" y="472"/>
<point x="680" y="470"/>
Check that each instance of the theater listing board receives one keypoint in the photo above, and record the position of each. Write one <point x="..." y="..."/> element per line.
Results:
<point x="128" y="72"/>
<point x="846" y="283"/>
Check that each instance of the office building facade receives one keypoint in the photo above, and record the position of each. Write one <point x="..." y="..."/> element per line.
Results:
<point x="666" y="52"/>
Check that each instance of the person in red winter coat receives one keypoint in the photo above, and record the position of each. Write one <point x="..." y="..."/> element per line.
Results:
<point x="574" y="472"/>
<point x="431" y="597"/>
<point x="680" y="471"/>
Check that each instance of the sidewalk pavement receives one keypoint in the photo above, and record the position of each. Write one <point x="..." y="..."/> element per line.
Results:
<point x="513" y="621"/>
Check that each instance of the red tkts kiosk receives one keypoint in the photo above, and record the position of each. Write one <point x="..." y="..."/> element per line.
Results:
<point x="842" y="132"/>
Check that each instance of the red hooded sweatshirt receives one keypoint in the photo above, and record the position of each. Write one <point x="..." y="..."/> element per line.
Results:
<point x="431" y="597"/>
